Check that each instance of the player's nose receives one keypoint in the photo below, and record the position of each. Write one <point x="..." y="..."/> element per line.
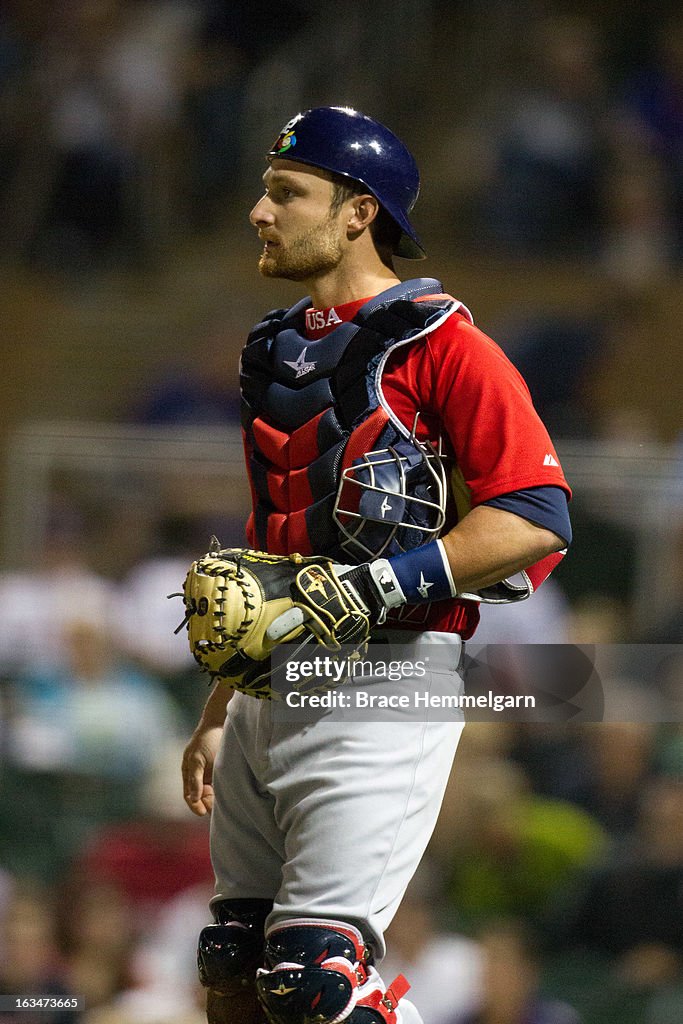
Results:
<point x="261" y="213"/>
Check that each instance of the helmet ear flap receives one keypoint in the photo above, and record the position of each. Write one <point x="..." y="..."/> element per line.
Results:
<point x="391" y="500"/>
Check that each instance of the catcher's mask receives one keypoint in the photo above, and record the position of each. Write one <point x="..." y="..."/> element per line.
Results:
<point x="392" y="499"/>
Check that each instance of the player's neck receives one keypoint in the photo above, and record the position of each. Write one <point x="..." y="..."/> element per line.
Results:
<point x="347" y="284"/>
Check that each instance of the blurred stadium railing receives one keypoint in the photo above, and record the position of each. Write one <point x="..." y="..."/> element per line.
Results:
<point x="199" y="472"/>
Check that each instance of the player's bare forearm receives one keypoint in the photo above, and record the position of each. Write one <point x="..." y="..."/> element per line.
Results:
<point x="490" y="544"/>
<point x="200" y="753"/>
<point x="214" y="710"/>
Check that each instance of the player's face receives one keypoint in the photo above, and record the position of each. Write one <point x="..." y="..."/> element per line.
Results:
<point x="302" y="236"/>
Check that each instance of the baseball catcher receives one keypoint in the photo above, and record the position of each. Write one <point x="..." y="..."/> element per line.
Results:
<point x="399" y="476"/>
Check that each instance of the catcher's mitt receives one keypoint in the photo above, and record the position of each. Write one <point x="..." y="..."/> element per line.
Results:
<point x="240" y="604"/>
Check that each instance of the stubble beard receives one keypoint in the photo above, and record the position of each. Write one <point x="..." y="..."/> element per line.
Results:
<point x="317" y="252"/>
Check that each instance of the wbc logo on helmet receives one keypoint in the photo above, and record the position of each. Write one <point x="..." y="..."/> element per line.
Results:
<point x="285" y="142"/>
<point x="286" y="139"/>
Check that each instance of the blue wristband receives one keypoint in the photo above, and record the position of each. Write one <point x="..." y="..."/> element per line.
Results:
<point x="424" y="574"/>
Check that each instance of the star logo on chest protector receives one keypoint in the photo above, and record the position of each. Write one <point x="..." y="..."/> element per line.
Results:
<point x="423" y="589"/>
<point x="301" y="366"/>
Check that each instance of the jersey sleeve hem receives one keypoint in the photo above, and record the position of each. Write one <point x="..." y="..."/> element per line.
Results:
<point x="500" y="487"/>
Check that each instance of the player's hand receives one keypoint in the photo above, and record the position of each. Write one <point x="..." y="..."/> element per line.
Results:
<point x="197" y="768"/>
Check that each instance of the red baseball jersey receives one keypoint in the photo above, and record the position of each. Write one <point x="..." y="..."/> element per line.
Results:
<point x="468" y="393"/>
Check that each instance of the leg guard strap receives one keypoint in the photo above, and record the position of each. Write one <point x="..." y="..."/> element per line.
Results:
<point x="376" y="1005"/>
<point x="231" y="950"/>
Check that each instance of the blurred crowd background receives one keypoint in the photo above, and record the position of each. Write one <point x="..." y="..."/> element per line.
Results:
<point x="132" y="134"/>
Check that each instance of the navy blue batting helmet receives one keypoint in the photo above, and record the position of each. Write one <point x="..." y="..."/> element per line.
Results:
<point x="349" y="143"/>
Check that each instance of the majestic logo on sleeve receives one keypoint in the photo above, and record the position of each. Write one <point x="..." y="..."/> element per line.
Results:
<point x="549" y="460"/>
<point x="301" y="366"/>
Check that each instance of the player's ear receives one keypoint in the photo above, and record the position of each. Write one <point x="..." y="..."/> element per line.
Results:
<point x="364" y="209"/>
